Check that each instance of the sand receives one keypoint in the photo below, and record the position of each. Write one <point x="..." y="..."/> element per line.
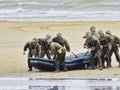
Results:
<point x="14" y="35"/>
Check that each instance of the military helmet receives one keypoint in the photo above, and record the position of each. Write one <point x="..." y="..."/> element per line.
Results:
<point x="35" y="39"/>
<point x="88" y="34"/>
<point x="92" y="28"/>
<point x="47" y="37"/>
<point x="100" y="32"/>
<point x="108" y="32"/>
<point x="59" y="34"/>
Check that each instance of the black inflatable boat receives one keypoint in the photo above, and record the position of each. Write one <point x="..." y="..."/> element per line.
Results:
<point x="73" y="62"/>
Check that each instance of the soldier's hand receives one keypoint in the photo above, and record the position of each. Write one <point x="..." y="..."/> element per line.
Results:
<point x="23" y="52"/>
<point x="110" y="47"/>
<point x="117" y="45"/>
<point x="101" y="47"/>
<point x="85" y="46"/>
<point x="92" y="48"/>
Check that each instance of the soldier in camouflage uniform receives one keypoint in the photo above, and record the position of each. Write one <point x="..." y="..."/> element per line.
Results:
<point x="62" y="41"/>
<point x="60" y="52"/>
<point x="106" y="45"/>
<point x="94" y="45"/>
<point x="34" y="49"/>
<point x="115" y="45"/>
<point x="44" y="47"/>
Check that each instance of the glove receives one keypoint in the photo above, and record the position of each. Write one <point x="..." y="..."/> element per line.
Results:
<point x="101" y="47"/>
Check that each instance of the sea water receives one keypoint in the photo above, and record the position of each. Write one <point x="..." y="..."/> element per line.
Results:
<point x="60" y="10"/>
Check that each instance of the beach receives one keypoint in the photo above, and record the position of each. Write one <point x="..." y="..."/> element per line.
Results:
<point x="14" y="35"/>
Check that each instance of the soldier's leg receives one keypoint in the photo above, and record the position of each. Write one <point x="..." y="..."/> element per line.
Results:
<point x="42" y="52"/>
<point x="57" y="63"/>
<point x="98" y="54"/>
<point x="92" y="54"/>
<point x="116" y="51"/>
<point x="111" y="52"/>
<point x="102" y="58"/>
<point x="108" y="57"/>
<point x="48" y="55"/>
<point x="29" y="66"/>
<point x="63" y="61"/>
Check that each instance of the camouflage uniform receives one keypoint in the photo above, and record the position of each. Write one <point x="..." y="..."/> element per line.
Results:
<point x="63" y="42"/>
<point x="93" y="43"/>
<point x="105" y="42"/>
<point x="44" y="48"/>
<point x="115" y="44"/>
<point x="33" y="51"/>
<point x="60" y="53"/>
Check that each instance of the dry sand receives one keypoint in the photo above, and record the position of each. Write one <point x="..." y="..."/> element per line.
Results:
<point x="14" y="35"/>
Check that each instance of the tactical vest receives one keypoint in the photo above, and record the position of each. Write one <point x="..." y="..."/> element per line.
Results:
<point x="103" y="41"/>
<point x="33" y="49"/>
<point x="91" y="43"/>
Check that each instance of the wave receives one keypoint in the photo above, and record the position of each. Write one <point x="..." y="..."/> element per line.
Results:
<point x="57" y="15"/>
<point x="33" y="10"/>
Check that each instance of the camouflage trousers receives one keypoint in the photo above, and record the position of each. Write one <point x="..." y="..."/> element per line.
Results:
<point x="60" y="59"/>
<point x="105" y="55"/>
<point x="45" y="52"/>
<point x="95" y="54"/>
<point x="115" y="50"/>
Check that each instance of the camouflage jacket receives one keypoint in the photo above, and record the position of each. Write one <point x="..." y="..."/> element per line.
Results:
<point x="92" y="43"/>
<point x="56" y="48"/>
<point x="105" y="40"/>
<point x="33" y="49"/>
<point x="62" y="42"/>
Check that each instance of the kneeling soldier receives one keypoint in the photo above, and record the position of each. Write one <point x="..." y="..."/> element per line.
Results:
<point x="34" y="49"/>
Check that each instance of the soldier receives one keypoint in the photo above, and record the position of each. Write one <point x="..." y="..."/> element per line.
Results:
<point x="44" y="47"/>
<point x="105" y="42"/>
<point x="94" y="45"/>
<point x="115" y="45"/>
<point x="34" y="49"/>
<point x="60" y="52"/>
<point x="63" y="42"/>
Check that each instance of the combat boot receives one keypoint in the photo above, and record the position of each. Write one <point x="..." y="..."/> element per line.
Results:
<point x="108" y="64"/>
<point x="30" y="69"/>
<point x="91" y="68"/>
<point x="119" y="65"/>
<point x="104" y="66"/>
<point x="101" y="68"/>
<point x="57" y="71"/>
<point x="65" y="70"/>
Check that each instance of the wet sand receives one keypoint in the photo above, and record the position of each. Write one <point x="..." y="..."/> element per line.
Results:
<point x="59" y="84"/>
<point x="14" y="35"/>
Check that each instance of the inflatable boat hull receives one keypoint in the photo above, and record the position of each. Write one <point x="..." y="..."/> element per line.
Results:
<point x="73" y="62"/>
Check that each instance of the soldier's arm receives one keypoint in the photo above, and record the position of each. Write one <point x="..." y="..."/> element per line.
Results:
<point x="54" y="39"/>
<point x="110" y="40"/>
<point x="67" y="46"/>
<point x="25" y="48"/>
<point x="41" y="41"/>
<point x="38" y="49"/>
<point x="85" y="44"/>
<point x="97" y="44"/>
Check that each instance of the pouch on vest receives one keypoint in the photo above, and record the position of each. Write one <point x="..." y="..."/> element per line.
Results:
<point x="34" y="51"/>
<point x="59" y="51"/>
<point x="103" y="42"/>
